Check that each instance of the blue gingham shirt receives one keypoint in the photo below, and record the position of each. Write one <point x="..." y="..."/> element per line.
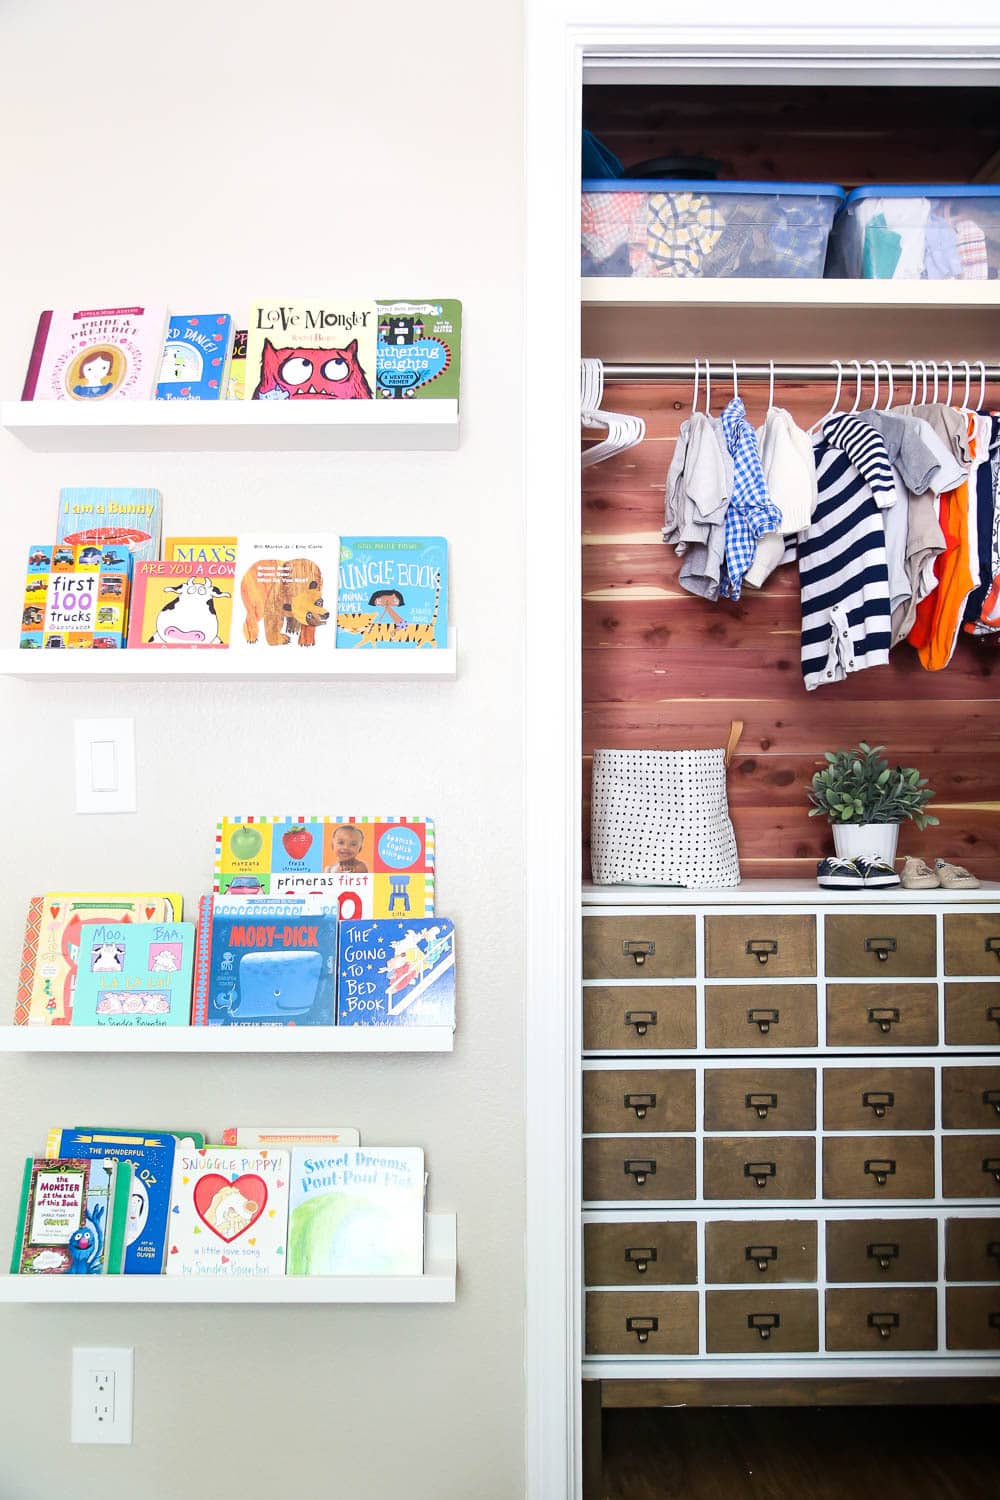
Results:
<point x="751" y="512"/>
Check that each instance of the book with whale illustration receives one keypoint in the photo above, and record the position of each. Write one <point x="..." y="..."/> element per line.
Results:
<point x="228" y="1212"/>
<point x="264" y="962"/>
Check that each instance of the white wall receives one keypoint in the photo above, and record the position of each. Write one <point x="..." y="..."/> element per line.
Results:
<point x="206" y="153"/>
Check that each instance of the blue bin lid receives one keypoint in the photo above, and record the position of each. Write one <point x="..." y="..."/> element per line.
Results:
<point x="923" y="190"/>
<point x="684" y="185"/>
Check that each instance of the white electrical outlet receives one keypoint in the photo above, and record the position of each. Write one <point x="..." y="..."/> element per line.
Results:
<point x="101" y="1410"/>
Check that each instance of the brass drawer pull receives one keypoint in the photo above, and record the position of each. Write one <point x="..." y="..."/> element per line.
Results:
<point x="641" y="1259"/>
<point x="881" y="947"/>
<point x="993" y="1249"/>
<point x="885" y="1322"/>
<point x="993" y="1013"/>
<point x="885" y="1254"/>
<point x="884" y="1017"/>
<point x="640" y="1170"/>
<point x="761" y="1255"/>
<point x="761" y="1171"/>
<point x="640" y="1103"/>
<point x="642" y="1327"/>
<point x="991" y="1098"/>
<point x="762" y="949"/>
<point x="642" y="1020"/>
<point x="879" y="1104"/>
<point x="992" y="945"/>
<point x="763" y="1019"/>
<point x="991" y="1164"/>
<point x="765" y="1323"/>
<point x="881" y="1170"/>
<point x="640" y="951"/>
<point x="761" y="1103"/>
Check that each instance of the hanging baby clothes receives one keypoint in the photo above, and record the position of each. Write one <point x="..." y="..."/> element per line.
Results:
<point x="987" y="622"/>
<point x="750" y="513"/>
<point x="696" y="499"/>
<point x="939" y="616"/>
<point x="789" y="465"/>
<point x="985" y="520"/>
<point x="949" y="424"/>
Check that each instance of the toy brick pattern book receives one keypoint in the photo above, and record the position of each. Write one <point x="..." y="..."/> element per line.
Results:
<point x="311" y="351"/>
<point x="285" y="592"/>
<point x="72" y="1217"/>
<point x="112" y="517"/>
<point x="76" y="596"/>
<point x="419" y="349"/>
<point x="134" y="974"/>
<point x="100" y="354"/>
<point x="393" y="592"/>
<point x="373" y="865"/>
<point x="265" y="962"/>
<point x="357" y="1212"/>
<point x="397" y="973"/>
<point x="195" y="363"/>
<point x="229" y="1213"/>
<point x="181" y="605"/>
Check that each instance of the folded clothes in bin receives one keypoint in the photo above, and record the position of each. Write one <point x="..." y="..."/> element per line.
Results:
<point x="918" y="234"/>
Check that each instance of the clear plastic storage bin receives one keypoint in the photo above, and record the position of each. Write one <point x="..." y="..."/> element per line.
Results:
<point x="675" y="228"/>
<point x="918" y="234"/>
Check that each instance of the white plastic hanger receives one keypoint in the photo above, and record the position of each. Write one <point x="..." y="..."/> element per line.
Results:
<point x="623" y="431"/>
<point x="874" y="365"/>
<point x="888" y="376"/>
<point x="836" y="400"/>
<point x="694" y="393"/>
<point x="770" y="385"/>
<point x="968" y="382"/>
<point x="860" y="382"/>
<point x="982" y="385"/>
<point x="708" y="387"/>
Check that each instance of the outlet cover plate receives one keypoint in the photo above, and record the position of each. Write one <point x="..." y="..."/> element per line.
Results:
<point x="101" y="1406"/>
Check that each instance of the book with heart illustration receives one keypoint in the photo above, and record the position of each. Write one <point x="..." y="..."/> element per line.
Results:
<point x="134" y="974"/>
<point x="356" y="1212"/>
<point x="195" y="361"/>
<point x="72" y="1216"/>
<point x="228" y="1212"/>
<point x="393" y="973"/>
<point x="263" y="961"/>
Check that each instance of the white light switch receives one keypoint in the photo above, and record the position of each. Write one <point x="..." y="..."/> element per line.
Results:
<point x="105" y="765"/>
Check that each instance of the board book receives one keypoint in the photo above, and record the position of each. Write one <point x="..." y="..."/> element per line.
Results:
<point x="151" y="1156"/>
<point x="181" y="605"/>
<point x="314" y="351"/>
<point x="393" y="973"/>
<point x="290" y="1135"/>
<point x="236" y="385"/>
<point x="419" y="349"/>
<point x="393" y="592"/>
<point x="215" y="549"/>
<point x="134" y="974"/>
<point x="72" y="1216"/>
<point x="120" y="517"/>
<point x="265" y="962"/>
<point x="195" y="361"/>
<point x="76" y="596"/>
<point x="373" y="865"/>
<point x="99" y="354"/>
<point x="228" y="1213"/>
<point x="356" y="1212"/>
<point x="285" y="591"/>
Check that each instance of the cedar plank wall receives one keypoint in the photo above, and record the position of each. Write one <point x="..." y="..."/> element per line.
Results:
<point x="665" y="670"/>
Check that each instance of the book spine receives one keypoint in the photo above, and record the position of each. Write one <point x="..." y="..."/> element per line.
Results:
<point x="114" y="1244"/>
<point x="202" y="963"/>
<point x="35" y="362"/>
<point x="22" y="1217"/>
<point x="29" y="955"/>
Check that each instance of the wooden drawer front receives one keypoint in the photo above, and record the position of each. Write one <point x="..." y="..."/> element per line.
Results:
<point x="973" y="1314"/>
<point x="638" y="1169"/>
<point x="760" y="947"/>
<point x="760" y="1251"/>
<point x="881" y="1250"/>
<point x="971" y="1166"/>
<point x="638" y="947"/>
<point x="779" y="1016"/>
<point x="631" y="1099"/>
<point x="889" y="1166"/>
<point x="878" y="1098"/>
<point x="970" y="1098"/>
<point x="880" y="1320"/>
<point x="882" y="1015"/>
<point x="972" y="1015"/>
<point x="972" y="1250"/>
<point x="972" y="943"/>
<point x="626" y="1018"/>
<point x="640" y="1254"/>
<point x="880" y="945"/>
<point x="761" y="1322"/>
<point x="771" y="1167"/>
<point x="760" y="1099"/>
<point x="642" y="1322"/>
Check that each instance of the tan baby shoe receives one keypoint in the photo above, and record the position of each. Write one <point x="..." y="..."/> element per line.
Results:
<point x="917" y="875"/>
<point x="954" y="877"/>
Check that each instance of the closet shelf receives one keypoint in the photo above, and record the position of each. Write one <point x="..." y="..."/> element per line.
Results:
<point x="656" y="291"/>
<point x="225" y="1040"/>
<point x="437" y="1284"/>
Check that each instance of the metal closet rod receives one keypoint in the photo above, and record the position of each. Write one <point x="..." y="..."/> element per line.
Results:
<point x="722" y="370"/>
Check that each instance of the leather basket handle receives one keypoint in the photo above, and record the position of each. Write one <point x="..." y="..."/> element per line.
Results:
<point x="735" y="732"/>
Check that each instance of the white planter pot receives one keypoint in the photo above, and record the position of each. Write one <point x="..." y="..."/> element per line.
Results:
<point x="852" y="839"/>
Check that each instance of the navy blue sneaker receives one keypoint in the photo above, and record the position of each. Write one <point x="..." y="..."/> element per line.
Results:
<point x="875" y="871"/>
<point x="839" y="874"/>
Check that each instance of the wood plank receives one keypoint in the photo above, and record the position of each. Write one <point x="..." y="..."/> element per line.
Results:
<point x="882" y="1390"/>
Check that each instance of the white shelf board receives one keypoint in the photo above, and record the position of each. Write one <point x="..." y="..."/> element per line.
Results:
<point x="706" y="291"/>
<point x="225" y="1040"/>
<point x="783" y="893"/>
<point x="437" y="1284"/>
<point x="265" y="664"/>
<point x="233" y="426"/>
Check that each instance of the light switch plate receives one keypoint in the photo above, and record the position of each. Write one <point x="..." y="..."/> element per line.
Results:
<point x="105" y="765"/>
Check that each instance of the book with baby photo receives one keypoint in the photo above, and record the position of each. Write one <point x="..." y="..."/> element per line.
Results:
<point x="134" y="974"/>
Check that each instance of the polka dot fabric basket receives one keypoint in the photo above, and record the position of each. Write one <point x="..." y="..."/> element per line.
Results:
<point x="660" y="817"/>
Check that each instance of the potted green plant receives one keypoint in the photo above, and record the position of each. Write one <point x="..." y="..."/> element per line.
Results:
<point x="866" y="799"/>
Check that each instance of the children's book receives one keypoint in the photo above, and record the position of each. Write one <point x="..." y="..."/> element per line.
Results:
<point x="393" y="592"/>
<point x="265" y="962"/>
<point x="99" y="354"/>
<point x="195" y="362"/>
<point x="181" y="605"/>
<point x="112" y="517"/>
<point x="312" y="351"/>
<point x="357" y="1212"/>
<point x="285" y="591"/>
<point x="76" y="596"/>
<point x="215" y="549"/>
<point x="53" y="934"/>
<point x="395" y="973"/>
<point x="72" y="1216"/>
<point x="228" y="1213"/>
<point x="236" y="387"/>
<point x="372" y="865"/>
<point x="134" y="974"/>
<point x="257" y="1136"/>
<point x="36" y="591"/>
<point x="419" y="349"/>
<point x="151" y="1157"/>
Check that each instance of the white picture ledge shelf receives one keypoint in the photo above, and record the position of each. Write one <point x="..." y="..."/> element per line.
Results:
<point x="225" y="1040"/>
<point x="233" y="426"/>
<point x="266" y="664"/>
<point x="707" y="291"/>
<point x="437" y="1284"/>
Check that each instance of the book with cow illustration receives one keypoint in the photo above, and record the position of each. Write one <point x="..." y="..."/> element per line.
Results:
<point x="228" y="1212"/>
<point x="72" y="1216"/>
<point x="119" y="517"/>
<point x="393" y="973"/>
<point x="134" y="974"/>
<point x="265" y="962"/>
<point x="75" y="596"/>
<point x="181" y="605"/>
<point x="285" y="592"/>
<point x="195" y="361"/>
<point x="356" y="1212"/>
<point x="311" y="351"/>
<point x="371" y="865"/>
<point x="99" y="354"/>
<point x="419" y="349"/>
<point x="393" y="592"/>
